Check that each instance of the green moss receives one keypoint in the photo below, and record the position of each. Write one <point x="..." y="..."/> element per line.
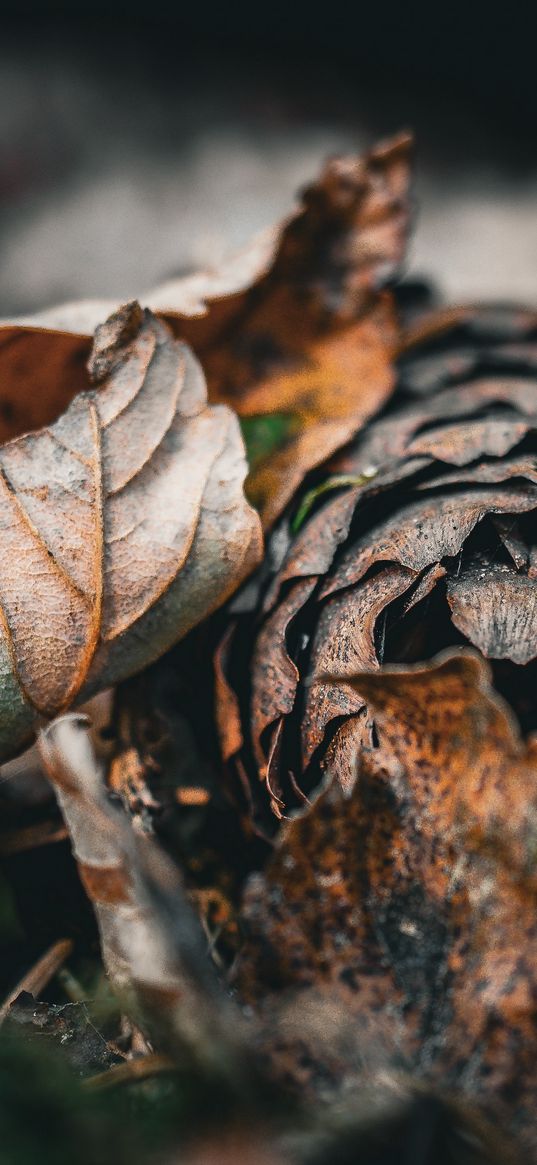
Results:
<point x="265" y="434"/>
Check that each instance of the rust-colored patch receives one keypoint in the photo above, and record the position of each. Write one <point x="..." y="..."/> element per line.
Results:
<point x="106" y="885"/>
<point x="403" y="917"/>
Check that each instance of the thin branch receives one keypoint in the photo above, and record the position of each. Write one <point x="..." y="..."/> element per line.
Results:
<point x="153" y="945"/>
<point x="143" y="1068"/>
<point x="36" y="979"/>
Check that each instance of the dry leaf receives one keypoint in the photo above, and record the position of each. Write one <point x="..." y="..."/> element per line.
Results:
<point x="123" y="524"/>
<point x="388" y="946"/>
<point x="420" y="534"/>
<point x="404" y="916"/>
<point x="295" y="329"/>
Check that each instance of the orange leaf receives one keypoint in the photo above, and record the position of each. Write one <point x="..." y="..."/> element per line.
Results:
<point x="295" y="324"/>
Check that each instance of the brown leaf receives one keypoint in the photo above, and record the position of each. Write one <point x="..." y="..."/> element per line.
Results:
<point x="311" y="967"/>
<point x="295" y="327"/>
<point x="337" y="384"/>
<point x="496" y="609"/>
<point x="420" y="490"/>
<point x="275" y="675"/>
<point x="490" y="472"/>
<point x="509" y="532"/>
<point x="408" y="909"/>
<point x="484" y="322"/>
<point x="425" y="531"/>
<point x="124" y="523"/>
<point x="315" y="335"/>
<point x="312" y="551"/>
<point x="460" y="443"/>
<point x="40" y="372"/>
<point x="344" y="644"/>
<point x="411" y="431"/>
<point x="451" y="345"/>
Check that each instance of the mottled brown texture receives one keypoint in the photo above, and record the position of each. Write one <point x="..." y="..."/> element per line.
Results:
<point x="311" y="965"/>
<point x="406" y="912"/>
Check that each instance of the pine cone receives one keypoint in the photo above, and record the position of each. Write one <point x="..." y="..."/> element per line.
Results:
<point x="420" y="535"/>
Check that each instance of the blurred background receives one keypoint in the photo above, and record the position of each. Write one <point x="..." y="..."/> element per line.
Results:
<point x="138" y="142"/>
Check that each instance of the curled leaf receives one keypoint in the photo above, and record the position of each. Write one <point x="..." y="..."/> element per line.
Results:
<point x="296" y="328"/>
<point x="123" y="524"/>
<point x="429" y="542"/>
<point x="495" y="607"/>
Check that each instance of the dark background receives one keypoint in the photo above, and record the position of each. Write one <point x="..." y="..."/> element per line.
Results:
<point x="137" y="141"/>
